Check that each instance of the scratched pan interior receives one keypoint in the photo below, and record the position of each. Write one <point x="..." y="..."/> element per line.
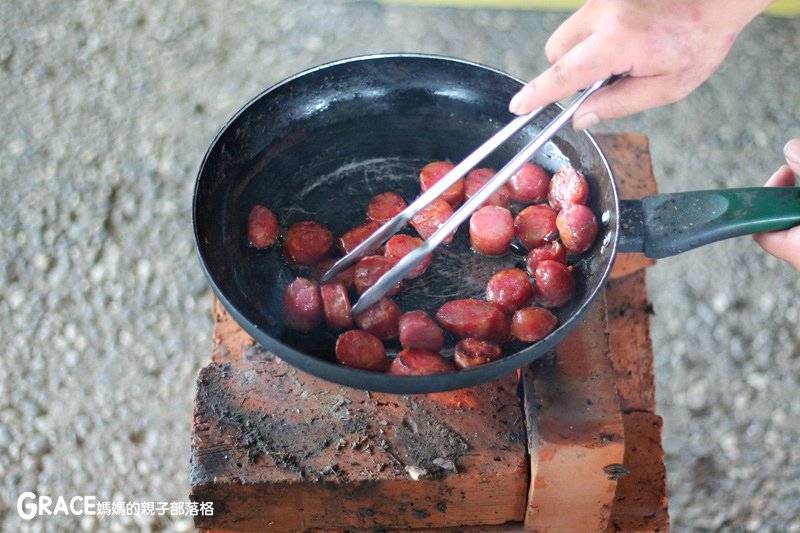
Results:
<point x="320" y="144"/>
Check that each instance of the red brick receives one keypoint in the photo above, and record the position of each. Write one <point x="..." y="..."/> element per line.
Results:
<point x="640" y="503"/>
<point x="277" y="449"/>
<point x="629" y="330"/>
<point x="575" y="431"/>
<point x="629" y="157"/>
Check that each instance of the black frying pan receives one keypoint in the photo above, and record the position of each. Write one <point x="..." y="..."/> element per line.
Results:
<point x="322" y="143"/>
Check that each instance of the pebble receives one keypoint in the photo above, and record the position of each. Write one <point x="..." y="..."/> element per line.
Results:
<point x="5" y="437"/>
<point x="16" y="147"/>
<point x="730" y="445"/>
<point x="697" y="394"/>
<point x="38" y="445"/>
<point x="758" y="381"/>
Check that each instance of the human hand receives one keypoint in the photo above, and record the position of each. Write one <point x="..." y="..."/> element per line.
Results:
<point x="667" y="48"/>
<point x="784" y="244"/>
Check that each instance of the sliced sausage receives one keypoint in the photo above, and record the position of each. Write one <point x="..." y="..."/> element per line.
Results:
<point x="401" y="245"/>
<point x="553" y="283"/>
<point x="336" y="305"/>
<point x="302" y="305"/>
<point x="432" y="173"/>
<point x="530" y="184"/>
<point x="531" y="324"/>
<point x="578" y="227"/>
<point x="536" y="225"/>
<point x="475" y="352"/>
<point x="262" y="227"/>
<point x="474" y="318"/>
<point x="359" y="349"/>
<point x="385" y="206"/>
<point x="553" y="250"/>
<point x="491" y="230"/>
<point x="348" y="242"/>
<point x="509" y="289"/>
<point x="345" y="276"/>
<point x="382" y="319"/>
<point x="418" y="330"/>
<point x="307" y="243"/>
<point x="369" y="270"/>
<point x="568" y="186"/>
<point x="414" y="362"/>
<point x="477" y="179"/>
<point x="431" y="217"/>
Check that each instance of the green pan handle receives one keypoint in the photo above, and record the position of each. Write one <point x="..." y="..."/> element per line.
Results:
<point x="663" y="225"/>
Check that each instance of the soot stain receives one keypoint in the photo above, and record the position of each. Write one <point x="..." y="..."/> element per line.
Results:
<point x="257" y="433"/>
<point x="424" y="437"/>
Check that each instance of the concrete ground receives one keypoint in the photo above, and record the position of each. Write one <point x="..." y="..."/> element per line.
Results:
<point x="107" y="109"/>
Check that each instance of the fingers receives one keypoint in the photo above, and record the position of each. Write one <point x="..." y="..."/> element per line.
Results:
<point x="792" y="153"/>
<point x="584" y="64"/>
<point x="784" y="245"/>
<point x="541" y="91"/>
<point x="783" y="177"/>
<point x="626" y="96"/>
<point x="574" y="30"/>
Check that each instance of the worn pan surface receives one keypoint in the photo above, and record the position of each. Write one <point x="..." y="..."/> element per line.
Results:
<point x="320" y="144"/>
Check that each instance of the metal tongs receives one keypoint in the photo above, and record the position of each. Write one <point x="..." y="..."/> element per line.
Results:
<point x="407" y="263"/>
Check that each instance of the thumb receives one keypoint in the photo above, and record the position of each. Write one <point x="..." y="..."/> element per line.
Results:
<point x="626" y="96"/>
<point x="792" y="153"/>
<point x="784" y="244"/>
<point x="783" y="177"/>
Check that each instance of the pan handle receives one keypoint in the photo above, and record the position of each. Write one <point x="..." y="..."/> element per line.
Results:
<point x="663" y="225"/>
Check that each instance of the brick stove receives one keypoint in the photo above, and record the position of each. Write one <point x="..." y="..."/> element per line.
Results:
<point x="570" y="444"/>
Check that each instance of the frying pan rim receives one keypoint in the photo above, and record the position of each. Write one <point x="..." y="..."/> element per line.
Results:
<point x="367" y="380"/>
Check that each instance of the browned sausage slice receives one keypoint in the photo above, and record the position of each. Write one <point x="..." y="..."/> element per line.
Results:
<point x="336" y="305"/>
<point x="414" y="362"/>
<point x="431" y="217"/>
<point x="475" y="352"/>
<point x="568" y="186"/>
<point x="418" y="330"/>
<point x="307" y="243"/>
<point x="359" y="349"/>
<point x="401" y="245"/>
<point x="432" y="173"/>
<point x="491" y="230"/>
<point x="382" y="319"/>
<point x="536" y="225"/>
<point x="369" y="270"/>
<point x="531" y="324"/>
<point x="577" y="226"/>
<point x="477" y="179"/>
<point x="554" y="284"/>
<point x="356" y="236"/>
<point x="530" y="184"/>
<point x="302" y="305"/>
<point x="553" y="250"/>
<point x="474" y="318"/>
<point x="385" y="206"/>
<point x="262" y="227"/>
<point x="345" y="276"/>
<point x="509" y="289"/>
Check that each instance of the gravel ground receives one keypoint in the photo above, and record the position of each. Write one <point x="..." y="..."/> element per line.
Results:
<point x="107" y="110"/>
